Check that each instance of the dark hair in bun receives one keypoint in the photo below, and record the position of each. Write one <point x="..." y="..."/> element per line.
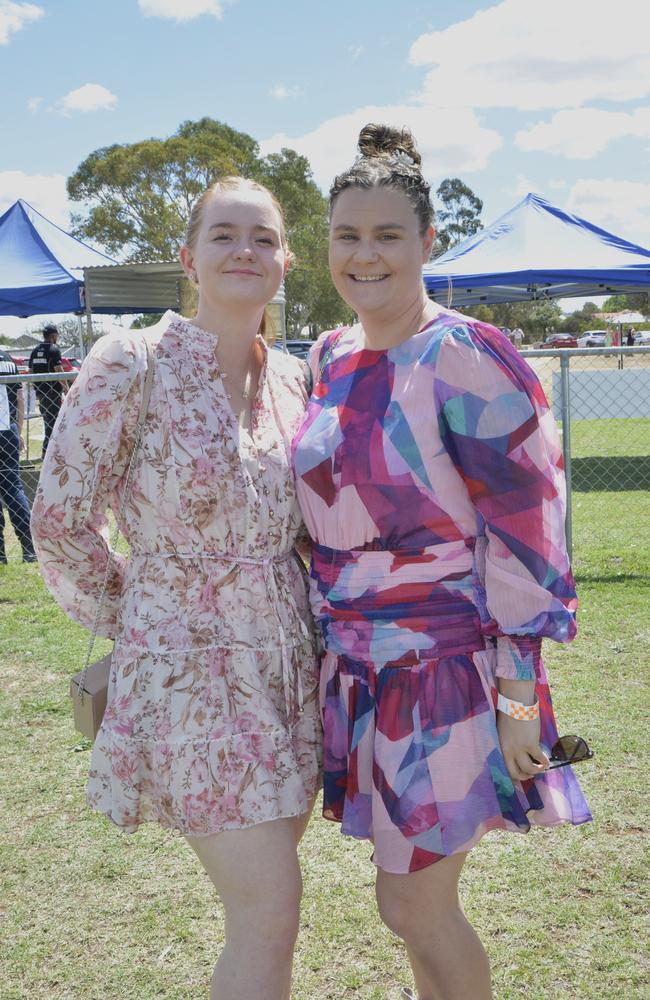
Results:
<point x="388" y="157"/>
<point x="378" y="140"/>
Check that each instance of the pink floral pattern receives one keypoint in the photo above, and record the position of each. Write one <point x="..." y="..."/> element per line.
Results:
<point x="212" y="721"/>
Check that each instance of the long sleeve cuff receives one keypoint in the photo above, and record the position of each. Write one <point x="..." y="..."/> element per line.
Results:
<point x="518" y="657"/>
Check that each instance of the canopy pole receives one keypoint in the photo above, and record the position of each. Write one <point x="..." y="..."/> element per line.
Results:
<point x="89" y="328"/>
<point x="80" y="335"/>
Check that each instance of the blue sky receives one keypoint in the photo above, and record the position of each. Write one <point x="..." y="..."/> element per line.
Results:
<point x="510" y="96"/>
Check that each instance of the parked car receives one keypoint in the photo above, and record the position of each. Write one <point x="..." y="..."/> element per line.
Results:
<point x="297" y="348"/>
<point x="70" y="364"/>
<point x="642" y="338"/>
<point x="21" y="359"/>
<point x="560" y="340"/>
<point x="592" y="338"/>
<point x="21" y="362"/>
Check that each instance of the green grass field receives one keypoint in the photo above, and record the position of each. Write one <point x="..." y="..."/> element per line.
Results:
<point x="90" y="914"/>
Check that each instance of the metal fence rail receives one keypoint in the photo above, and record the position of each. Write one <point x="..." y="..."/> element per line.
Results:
<point x="600" y="398"/>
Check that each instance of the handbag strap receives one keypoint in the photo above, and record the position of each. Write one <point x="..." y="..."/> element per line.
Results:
<point x="142" y="416"/>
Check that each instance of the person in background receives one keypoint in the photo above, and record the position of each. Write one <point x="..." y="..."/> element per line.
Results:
<point x="430" y="478"/>
<point x="518" y="337"/>
<point x="44" y="360"/>
<point x="631" y="336"/>
<point x="12" y="493"/>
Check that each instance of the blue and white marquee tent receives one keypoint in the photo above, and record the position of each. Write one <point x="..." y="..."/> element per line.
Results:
<point x="41" y="266"/>
<point x="537" y="251"/>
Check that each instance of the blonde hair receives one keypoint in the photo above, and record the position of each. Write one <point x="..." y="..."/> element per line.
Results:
<point x="234" y="184"/>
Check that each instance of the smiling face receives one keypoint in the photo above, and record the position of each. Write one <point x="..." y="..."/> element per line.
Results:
<point x="377" y="251"/>
<point x="237" y="254"/>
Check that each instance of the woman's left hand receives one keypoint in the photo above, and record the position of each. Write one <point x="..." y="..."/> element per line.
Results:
<point x="520" y="747"/>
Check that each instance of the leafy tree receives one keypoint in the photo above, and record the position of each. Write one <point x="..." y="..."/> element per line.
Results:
<point x="637" y="301"/>
<point x="458" y="216"/>
<point x="535" y="318"/>
<point x="140" y="194"/>
<point x="138" y="199"/>
<point x="545" y="317"/>
<point x="582" y="319"/>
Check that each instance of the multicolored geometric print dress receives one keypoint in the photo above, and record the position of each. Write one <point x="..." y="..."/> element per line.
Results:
<point x="430" y="478"/>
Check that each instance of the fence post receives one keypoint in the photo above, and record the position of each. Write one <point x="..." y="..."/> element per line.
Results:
<point x="565" y="395"/>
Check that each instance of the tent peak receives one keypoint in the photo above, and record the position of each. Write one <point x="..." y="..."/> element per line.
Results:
<point x="537" y="251"/>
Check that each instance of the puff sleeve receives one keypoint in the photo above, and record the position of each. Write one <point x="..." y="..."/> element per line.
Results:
<point x="82" y="476"/>
<point x="497" y="428"/>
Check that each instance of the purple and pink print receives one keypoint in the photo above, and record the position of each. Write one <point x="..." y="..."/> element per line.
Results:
<point x="430" y="478"/>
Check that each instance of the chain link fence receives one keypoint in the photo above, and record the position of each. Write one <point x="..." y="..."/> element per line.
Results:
<point x="29" y="406"/>
<point x="600" y="398"/>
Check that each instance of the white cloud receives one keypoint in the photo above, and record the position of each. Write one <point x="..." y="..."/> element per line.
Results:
<point x="523" y="186"/>
<point x="181" y="10"/>
<point x="280" y="92"/>
<point x="44" y="192"/>
<point x="451" y="142"/>
<point x="14" y="16"/>
<point x="622" y="207"/>
<point x="518" y="54"/>
<point x="581" y="133"/>
<point x="90" y="97"/>
<point x="33" y="104"/>
<point x="356" y="50"/>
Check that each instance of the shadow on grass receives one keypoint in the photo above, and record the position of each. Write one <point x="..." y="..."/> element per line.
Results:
<point x="612" y="578"/>
<point x="613" y="473"/>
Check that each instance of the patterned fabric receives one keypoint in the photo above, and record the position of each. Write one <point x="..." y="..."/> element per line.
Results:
<point x="430" y="477"/>
<point x="212" y="720"/>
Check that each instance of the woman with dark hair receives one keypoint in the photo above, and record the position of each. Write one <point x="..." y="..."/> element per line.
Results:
<point x="430" y="478"/>
<point x="212" y="725"/>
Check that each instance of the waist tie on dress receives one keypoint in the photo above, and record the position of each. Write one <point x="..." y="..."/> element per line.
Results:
<point x="397" y="606"/>
<point x="293" y="705"/>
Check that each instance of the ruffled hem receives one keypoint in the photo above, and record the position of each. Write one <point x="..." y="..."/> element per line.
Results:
<point x="202" y="787"/>
<point x="421" y="858"/>
<point x="413" y="762"/>
<point x="425" y="860"/>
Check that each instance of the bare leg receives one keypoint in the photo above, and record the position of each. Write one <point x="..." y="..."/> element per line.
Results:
<point x="256" y="874"/>
<point x="300" y="823"/>
<point x="423" y="908"/>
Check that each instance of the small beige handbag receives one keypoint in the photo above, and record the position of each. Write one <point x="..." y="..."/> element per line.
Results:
<point x="89" y="688"/>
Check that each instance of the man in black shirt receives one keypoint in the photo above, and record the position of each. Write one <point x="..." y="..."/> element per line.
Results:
<point x="43" y="360"/>
<point x="12" y="494"/>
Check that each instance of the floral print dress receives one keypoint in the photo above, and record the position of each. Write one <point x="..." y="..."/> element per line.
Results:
<point x="212" y="720"/>
<point x="430" y="478"/>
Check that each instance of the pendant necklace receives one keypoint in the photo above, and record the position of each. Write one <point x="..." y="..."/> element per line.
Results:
<point x="245" y="391"/>
<point x="249" y="480"/>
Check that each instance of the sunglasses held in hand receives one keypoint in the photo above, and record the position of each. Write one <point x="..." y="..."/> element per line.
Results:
<point x="569" y="750"/>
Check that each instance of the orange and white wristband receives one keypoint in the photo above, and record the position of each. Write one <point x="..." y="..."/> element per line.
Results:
<point x="525" y="713"/>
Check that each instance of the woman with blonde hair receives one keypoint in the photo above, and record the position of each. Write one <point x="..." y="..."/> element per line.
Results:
<point x="212" y="725"/>
<point x="430" y="478"/>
